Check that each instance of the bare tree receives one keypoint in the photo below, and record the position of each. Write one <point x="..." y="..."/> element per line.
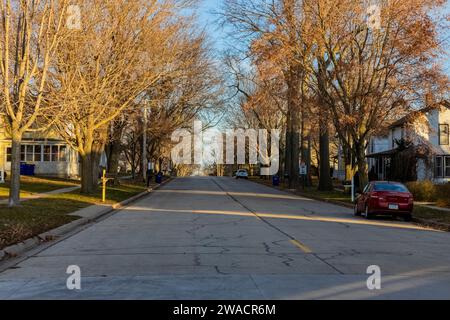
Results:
<point x="106" y="68"/>
<point x="189" y="90"/>
<point x="367" y="74"/>
<point x="31" y="33"/>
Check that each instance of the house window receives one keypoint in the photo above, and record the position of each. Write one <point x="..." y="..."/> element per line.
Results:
<point x="55" y="154"/>
<point x="447" y="167"/>
<point x="62" y="153"/>
<point x="22" y="153"/>
<point x="439" y="167"/>
<point x="29" y="153"/>
<point x="37" y="153"/>
<point x="393" y="139"/>
<point x="47" y="154"/>
<point x="442" y="167"/>
<point x="8" y="154"/>
<point x="444" y="135"/>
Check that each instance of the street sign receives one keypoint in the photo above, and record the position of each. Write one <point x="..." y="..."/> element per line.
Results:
<point x="303" y="169"/>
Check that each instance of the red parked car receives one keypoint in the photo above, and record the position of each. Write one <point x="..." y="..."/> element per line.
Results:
<point x="385" y="198"/>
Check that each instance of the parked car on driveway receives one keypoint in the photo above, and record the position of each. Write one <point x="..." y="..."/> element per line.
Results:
<point x="242" y="174"/>
<point x="385" y="198"/>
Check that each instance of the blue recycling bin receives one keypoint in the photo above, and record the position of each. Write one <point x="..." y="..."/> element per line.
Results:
<point x="23" y="169"/>
<point x="158" y="178"/>
<point x="276" y="181"/>
<point x="31" y="169"/>
<point x="27" y="169"/>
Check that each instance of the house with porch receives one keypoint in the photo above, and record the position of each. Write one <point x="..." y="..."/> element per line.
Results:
<point x="50" y="155"/>
<point x="416" y="147"/>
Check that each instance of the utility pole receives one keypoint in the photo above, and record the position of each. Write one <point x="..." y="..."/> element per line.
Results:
<point x="144" y="144"/>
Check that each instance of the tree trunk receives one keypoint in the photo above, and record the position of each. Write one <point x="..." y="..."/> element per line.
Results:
<point x="114" y="149"/>
<point x="288" y="150"/>
<point x="306" y="153"/>
<point x="133" y="171"/>
<point x="325" y="183"/>
<point x="348" y="166"/>
<point x="282" y="168"/>
<point x="98" y="148"/>
<point x="95" y="168"/>
<point x="295" y="159"/>
<point x="86" y="174"/>
<point x="14" y="191"/>
<point x="293" y="127"/>
<point x="142" y="168"/>
<point x="348" y="159"/>
<point x="362" y="165"/>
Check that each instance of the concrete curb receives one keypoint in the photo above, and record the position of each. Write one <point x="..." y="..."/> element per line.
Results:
<point x="20" y="248"/>
<point x="432" y="224"/>
<point x="339" y="203"/>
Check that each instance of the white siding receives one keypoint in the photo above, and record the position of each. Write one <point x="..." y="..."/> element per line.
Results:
<point x="424" y="131"/>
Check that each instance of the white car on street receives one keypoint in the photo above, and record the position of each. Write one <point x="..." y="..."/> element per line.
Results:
<point x="242" y="174"/>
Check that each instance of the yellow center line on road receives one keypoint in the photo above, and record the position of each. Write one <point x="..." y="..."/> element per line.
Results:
<point x="302" y="247"/>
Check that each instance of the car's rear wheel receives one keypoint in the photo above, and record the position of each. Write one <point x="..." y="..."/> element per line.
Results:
<point x="356" y="212"/>
<point x="408" y="218"/>
<point x="367" y="213"/>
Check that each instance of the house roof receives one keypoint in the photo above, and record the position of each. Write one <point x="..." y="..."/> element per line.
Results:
<point x="382" y="154"/>
<point x="409" y="118"/>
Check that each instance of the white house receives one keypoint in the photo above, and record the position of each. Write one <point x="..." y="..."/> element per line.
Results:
<point x="50" y="155"/>
<point x="428" y="131"/>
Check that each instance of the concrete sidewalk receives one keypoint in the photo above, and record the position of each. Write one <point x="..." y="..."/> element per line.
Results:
<point x="44" y="194"/>
<point x="87" y="216"/>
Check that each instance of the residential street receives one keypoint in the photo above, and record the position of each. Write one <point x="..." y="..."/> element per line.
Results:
<point x="219" y="238"/>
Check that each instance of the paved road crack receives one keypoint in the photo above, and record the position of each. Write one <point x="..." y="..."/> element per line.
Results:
<point x="271" y="225"/>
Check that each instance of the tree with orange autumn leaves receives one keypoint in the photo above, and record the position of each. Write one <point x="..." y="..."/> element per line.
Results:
<point x="356" y="73"/>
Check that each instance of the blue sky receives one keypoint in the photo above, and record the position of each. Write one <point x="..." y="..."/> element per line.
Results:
<point x="219" y="37"/>
<point x="208" y="19"/>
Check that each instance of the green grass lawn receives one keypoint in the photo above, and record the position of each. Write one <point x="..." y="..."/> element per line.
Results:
<point x="33" y="185"/>
<point x="34" y="217"/>
<point x="430" y="214"/>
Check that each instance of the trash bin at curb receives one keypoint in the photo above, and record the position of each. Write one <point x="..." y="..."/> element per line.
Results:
<point x="158" y="178"/>
<point x="31" y="170"/>
<point x="276" y="181"/>
<point x="23" y="169"/>
<point x="27" y="169"/>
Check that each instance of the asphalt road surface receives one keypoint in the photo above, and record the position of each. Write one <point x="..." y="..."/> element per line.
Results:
<point x="219" y="238"/>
